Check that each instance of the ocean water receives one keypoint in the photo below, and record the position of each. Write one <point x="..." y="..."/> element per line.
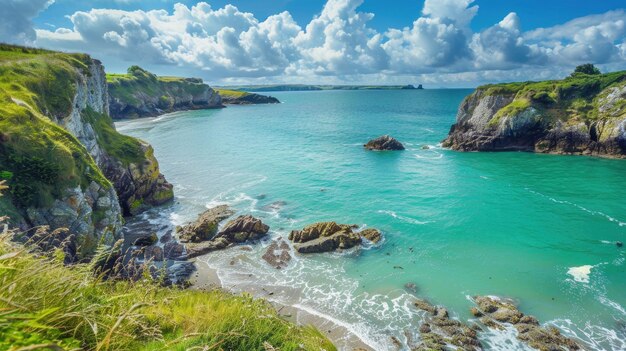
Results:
<point x="540" y="229"/>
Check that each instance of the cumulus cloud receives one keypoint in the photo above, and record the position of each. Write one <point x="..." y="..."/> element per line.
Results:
<point x="16" y="25"/>
<point x="338" y="42"/>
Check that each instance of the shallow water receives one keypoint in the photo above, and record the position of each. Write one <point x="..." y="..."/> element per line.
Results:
<point x="537" y="228"/>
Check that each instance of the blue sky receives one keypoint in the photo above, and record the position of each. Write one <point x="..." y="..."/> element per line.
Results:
<point x="450" y="43"/>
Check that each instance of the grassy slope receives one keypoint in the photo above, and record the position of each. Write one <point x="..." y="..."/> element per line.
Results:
<point x="231" y="94"/>
<point x="50" y="304"/>
<point x="38" y="157"/>
<point x="573" y="100"/>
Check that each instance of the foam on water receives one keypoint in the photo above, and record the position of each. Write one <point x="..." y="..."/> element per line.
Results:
<point x="404" y="218"/>
<point x="580" y="274"/>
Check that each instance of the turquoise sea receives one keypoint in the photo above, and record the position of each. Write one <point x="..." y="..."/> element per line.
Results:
<point x="456" y="224"/>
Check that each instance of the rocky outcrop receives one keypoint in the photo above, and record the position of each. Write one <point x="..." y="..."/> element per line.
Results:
<point x="205" y="227"/>
<point x="439" y="330"/>
<point x="584" y="115"/>
<point x="201" y="237"/>
<point x="243" y="228"/>
<point x="142" y="94"/>
<point x="384" y="143"/>
<point x="329" y="236"/>
<point x="495" y="312"/>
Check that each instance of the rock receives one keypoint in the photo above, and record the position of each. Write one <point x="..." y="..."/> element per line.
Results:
<point x="384" y="143"/>
<point x="329" y="236"/>
<point x="173" y="250"/>
<point x="146" y="240"/>
<point x="244" y="228"/>
<point x="619" y="244"/>
<point x="248" y="99"/>
<point x="425" y="147"/>
<point x="371" y="234"/>
<point x="497" y="311"/>
<point x="154" y="253"/>
<point x="277" y="254"/>
<point x="205" y="227"/>
<point x="439" y="330"/>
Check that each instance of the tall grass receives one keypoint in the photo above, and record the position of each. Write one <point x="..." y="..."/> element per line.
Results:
<point x="45" y="305"/>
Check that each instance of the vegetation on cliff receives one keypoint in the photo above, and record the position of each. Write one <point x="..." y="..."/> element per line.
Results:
<point x="584" y="113"/>
<point x="38" y="158"/>
<point x="140" y="93"/>
<point x="239" y="97"/>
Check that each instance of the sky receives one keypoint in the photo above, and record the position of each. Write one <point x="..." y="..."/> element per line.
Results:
<point x="438" y="43"/>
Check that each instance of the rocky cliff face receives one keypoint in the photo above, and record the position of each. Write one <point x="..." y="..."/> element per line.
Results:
<point x="64" y="163"/>
<point x="582" y="115"/>
<point x="136" y="178"/>
<point x="142" y="94"/>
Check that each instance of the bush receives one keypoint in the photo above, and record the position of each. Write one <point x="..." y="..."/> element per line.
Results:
<point x="587" y="68"/>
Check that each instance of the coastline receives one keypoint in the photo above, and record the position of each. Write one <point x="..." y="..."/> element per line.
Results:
<point x="207" y="278"/>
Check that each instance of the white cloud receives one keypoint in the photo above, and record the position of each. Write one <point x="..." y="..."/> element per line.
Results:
<point x="228" y="43"/>
<point x="16" y="25"/>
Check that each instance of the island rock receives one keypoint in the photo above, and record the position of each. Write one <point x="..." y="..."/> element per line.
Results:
<point x="329" y="236"/>
<point x="384" y="143"/>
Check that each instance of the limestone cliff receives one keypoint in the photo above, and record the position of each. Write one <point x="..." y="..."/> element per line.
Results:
<point x="60" y="154"/>
<point x="582" y="114"/>
<point x="140" y="93"/>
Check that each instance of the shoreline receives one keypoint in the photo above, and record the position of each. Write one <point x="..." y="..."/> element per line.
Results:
<point x="206" y="278"/>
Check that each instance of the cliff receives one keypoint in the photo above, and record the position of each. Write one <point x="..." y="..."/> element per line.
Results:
<point x="65" y="164"/>
<point x="236" y="97"/>
<point x="140" y="93"/>
<point x="582" y="115"/>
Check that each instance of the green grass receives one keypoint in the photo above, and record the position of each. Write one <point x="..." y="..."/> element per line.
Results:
<point x="56" y="307"/>
<point x="231" y="94"/>
<point x="124" y="148"/>
<point x="573" y="99"/>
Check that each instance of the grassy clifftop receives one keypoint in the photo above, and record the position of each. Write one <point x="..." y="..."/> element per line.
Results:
<point x="576" y="98"/>
<point x="140" y="93"/>
<point x="38" y="158"/>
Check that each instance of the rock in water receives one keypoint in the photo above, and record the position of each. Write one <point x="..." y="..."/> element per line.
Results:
<point x="493" y="312"/>
<point x="619" y="244"/>
<point x="330" y="236"/>
<point x="244" y="228"/>
<point x="384" y="143"/>
<point x="205" y="227"/>
<point x="439" y="330"/>
<point x="277" y="254"/>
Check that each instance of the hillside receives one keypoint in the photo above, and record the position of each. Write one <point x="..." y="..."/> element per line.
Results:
<point x="582" y="114"/>
<point x="66" y="165"/>
<point x="140" y="93"/>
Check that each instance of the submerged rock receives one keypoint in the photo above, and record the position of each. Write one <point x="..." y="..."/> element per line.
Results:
<point x="205" y="227"/>
<point x="493" y="312"/>
<point x="278" y="254"/>
<point x="384" y="143"/>
<point x="329" y="236"/>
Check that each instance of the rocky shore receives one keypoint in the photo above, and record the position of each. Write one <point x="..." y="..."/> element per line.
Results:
<point x="581" y="115"/>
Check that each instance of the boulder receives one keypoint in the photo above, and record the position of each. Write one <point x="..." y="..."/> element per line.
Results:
<point x="439" y="330"/>
<point x="205" y="227"/>
<point x="371" y="234"/>
<point x="154" y="253"/>
<point x="146" y="240"/>
<point x="384" y="143"/>
<point x="244" y="228"/>
<point x="173" y="250"/>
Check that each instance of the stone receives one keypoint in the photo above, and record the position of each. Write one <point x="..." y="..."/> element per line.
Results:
<point x="146" y="240"/>
<point x="244" y="228"/>
<point x="277" y="254"/>
<point x="154" y="253"/>
<point x="205" y="227"/>
<point x="619" y="244"/>
<point x="371" y="234"/>
<point x="173" y="250"/>
<point x="384" y="143"/>
<point x="410" y="287"/>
